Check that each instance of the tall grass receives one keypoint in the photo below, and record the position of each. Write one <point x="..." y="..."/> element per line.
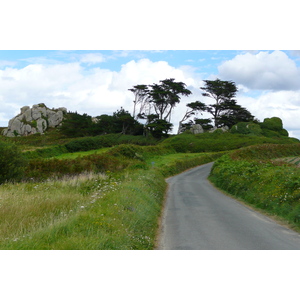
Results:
<point x="27" y="207"/>
<point x="90" y="211"/>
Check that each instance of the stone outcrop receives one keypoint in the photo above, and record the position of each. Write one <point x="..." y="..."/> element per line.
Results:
<point x="224" y="129"/>
<point x="196" y="129"/>
<point x="34" y="120"/>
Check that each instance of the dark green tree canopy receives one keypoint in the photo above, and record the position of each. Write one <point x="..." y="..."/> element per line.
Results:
<point x="166" y="95"/>
<point x="225" y="110"/>
<point x="76" y="125"/>
<point x="157" y="127"/>
<point x="233" y="113"/>
<point x="219" y="90"/>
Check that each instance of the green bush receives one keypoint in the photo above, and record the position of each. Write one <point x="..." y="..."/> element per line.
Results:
<point x="247" y="128"/>
<point x="12" y="162"/>
<point x="283" y="132"/>
<point x="274" y="124"/>
<point x="46" y="152"/>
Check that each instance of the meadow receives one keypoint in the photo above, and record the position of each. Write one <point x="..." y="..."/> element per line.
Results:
<point x="107" y="192"/>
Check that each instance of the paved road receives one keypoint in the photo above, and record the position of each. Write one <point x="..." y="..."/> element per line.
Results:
<point x="198" y="216"/>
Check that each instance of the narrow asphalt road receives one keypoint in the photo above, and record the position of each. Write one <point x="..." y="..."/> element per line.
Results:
<point x="197" y="216"/>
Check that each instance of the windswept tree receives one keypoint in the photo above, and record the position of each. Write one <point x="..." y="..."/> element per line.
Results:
<point x="225" y="111"/>
<point x="222" y="92"/>
<point x="193" y="109"/>
<point x="141" y="99"/>
<point x="233" y="113"/>
<point x="156" y="102"/>
<point x="165" y="96"/>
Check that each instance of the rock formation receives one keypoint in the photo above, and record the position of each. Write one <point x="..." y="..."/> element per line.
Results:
<point x="196" y="129"/>
<point x="34" y="120"/>
<point x="224" y="129"/>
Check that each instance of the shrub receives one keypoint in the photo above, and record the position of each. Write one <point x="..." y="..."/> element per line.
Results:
<point x="46" y="152"/>
<point x="12" y="162"/>
<point x="247" y="128"/>
<point x="274" y="124"/>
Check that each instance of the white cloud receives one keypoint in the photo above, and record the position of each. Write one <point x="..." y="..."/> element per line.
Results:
<point x="4" y="63"/>
<point x="263" y="71"/>
<point x="93" y="91"/>
<point x="282" y="104"/>
<point x="92" y="58"/>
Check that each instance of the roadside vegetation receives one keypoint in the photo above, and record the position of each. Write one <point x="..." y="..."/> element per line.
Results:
<point x="264" y="176"/>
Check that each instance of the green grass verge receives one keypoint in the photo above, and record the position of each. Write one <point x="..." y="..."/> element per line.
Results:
<point x="253" y="175"/>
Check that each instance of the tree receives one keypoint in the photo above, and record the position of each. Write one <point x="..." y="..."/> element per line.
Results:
<point x="156" y="103"/>
<point x="193" y="109"/>
<point x="104" y="124"/>
<point x="141" y="97"/>
<point x="120" y="122"/>
<point x="76" y="125"/>
<point x="233" y="113"/>
<point x="165" y="96"/>
<point x="124" y="122"/>
<point x="157" y="127"/>
<point x="222" y="92"/>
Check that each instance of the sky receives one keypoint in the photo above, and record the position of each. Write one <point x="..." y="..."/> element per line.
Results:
<point x="97" y="81"/>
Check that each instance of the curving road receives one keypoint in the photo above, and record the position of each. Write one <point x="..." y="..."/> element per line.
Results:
<point x="197" y="216"/>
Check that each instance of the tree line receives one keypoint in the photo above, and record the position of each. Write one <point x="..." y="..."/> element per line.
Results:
<point x="152" y="111"/>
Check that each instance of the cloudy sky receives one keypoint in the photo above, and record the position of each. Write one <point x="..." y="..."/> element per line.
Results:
<point x="96" y="82"/>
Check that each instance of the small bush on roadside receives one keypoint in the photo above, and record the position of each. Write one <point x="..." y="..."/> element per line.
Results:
<point x="46" y="152"/>
<point x="12" y="162"/>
